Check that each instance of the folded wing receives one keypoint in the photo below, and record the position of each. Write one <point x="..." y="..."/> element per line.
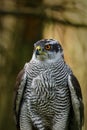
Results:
<point x="77" y="109"/>
<point x="19" y="92"/>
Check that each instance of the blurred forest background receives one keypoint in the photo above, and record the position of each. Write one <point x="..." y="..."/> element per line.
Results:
<point x="22" y="23"/>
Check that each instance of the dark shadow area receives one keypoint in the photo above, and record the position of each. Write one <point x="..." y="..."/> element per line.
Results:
<point x="13" y="55"/>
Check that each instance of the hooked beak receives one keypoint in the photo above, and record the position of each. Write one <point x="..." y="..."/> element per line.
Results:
<point x="40" y="53"/>
<point x="38" y="50"/>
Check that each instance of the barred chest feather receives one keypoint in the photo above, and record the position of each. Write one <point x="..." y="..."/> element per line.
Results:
<point x="47" y="93"/>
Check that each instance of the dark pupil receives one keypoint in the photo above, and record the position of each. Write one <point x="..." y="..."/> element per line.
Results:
<point x="47" y="47"/>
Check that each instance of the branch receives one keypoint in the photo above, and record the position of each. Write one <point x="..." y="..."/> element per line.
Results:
<point x="42" y="13"/>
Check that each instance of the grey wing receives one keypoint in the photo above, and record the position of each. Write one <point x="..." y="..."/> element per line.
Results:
<point x="19" y="92"/>
<point x="77" y="109"/>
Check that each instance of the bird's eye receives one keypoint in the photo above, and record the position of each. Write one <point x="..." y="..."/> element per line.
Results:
<point x="48" y="47"/>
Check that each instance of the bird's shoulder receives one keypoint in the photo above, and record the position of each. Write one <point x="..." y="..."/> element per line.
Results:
<point x="20" y="76"/>
<point x="74" y="84"/>
<point x="77" y="102"/>
<point x="20" y="86"/>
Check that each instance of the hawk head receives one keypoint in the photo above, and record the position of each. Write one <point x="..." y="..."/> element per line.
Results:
<point x="47" y="50"/>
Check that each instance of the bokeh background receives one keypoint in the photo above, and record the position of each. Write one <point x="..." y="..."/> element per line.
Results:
<point x="22" y="23"/>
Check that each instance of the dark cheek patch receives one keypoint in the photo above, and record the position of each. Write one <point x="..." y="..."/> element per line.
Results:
<point x="60" y="48"/>
<point x="57" y="47"/>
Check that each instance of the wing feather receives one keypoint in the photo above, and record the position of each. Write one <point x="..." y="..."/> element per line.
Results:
<point x="19" y="91"/>
<point x="77" y="109"/>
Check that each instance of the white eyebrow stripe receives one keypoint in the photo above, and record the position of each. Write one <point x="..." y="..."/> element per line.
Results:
<point x="52" y="42"/>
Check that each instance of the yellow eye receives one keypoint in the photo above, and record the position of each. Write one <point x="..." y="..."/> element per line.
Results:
<point x="48" y="47"/>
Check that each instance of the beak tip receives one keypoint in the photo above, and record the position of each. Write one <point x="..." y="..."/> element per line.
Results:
<point x="37" y="52"/>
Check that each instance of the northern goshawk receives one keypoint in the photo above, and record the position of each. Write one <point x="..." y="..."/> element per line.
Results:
<point x="48" y="95"/>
